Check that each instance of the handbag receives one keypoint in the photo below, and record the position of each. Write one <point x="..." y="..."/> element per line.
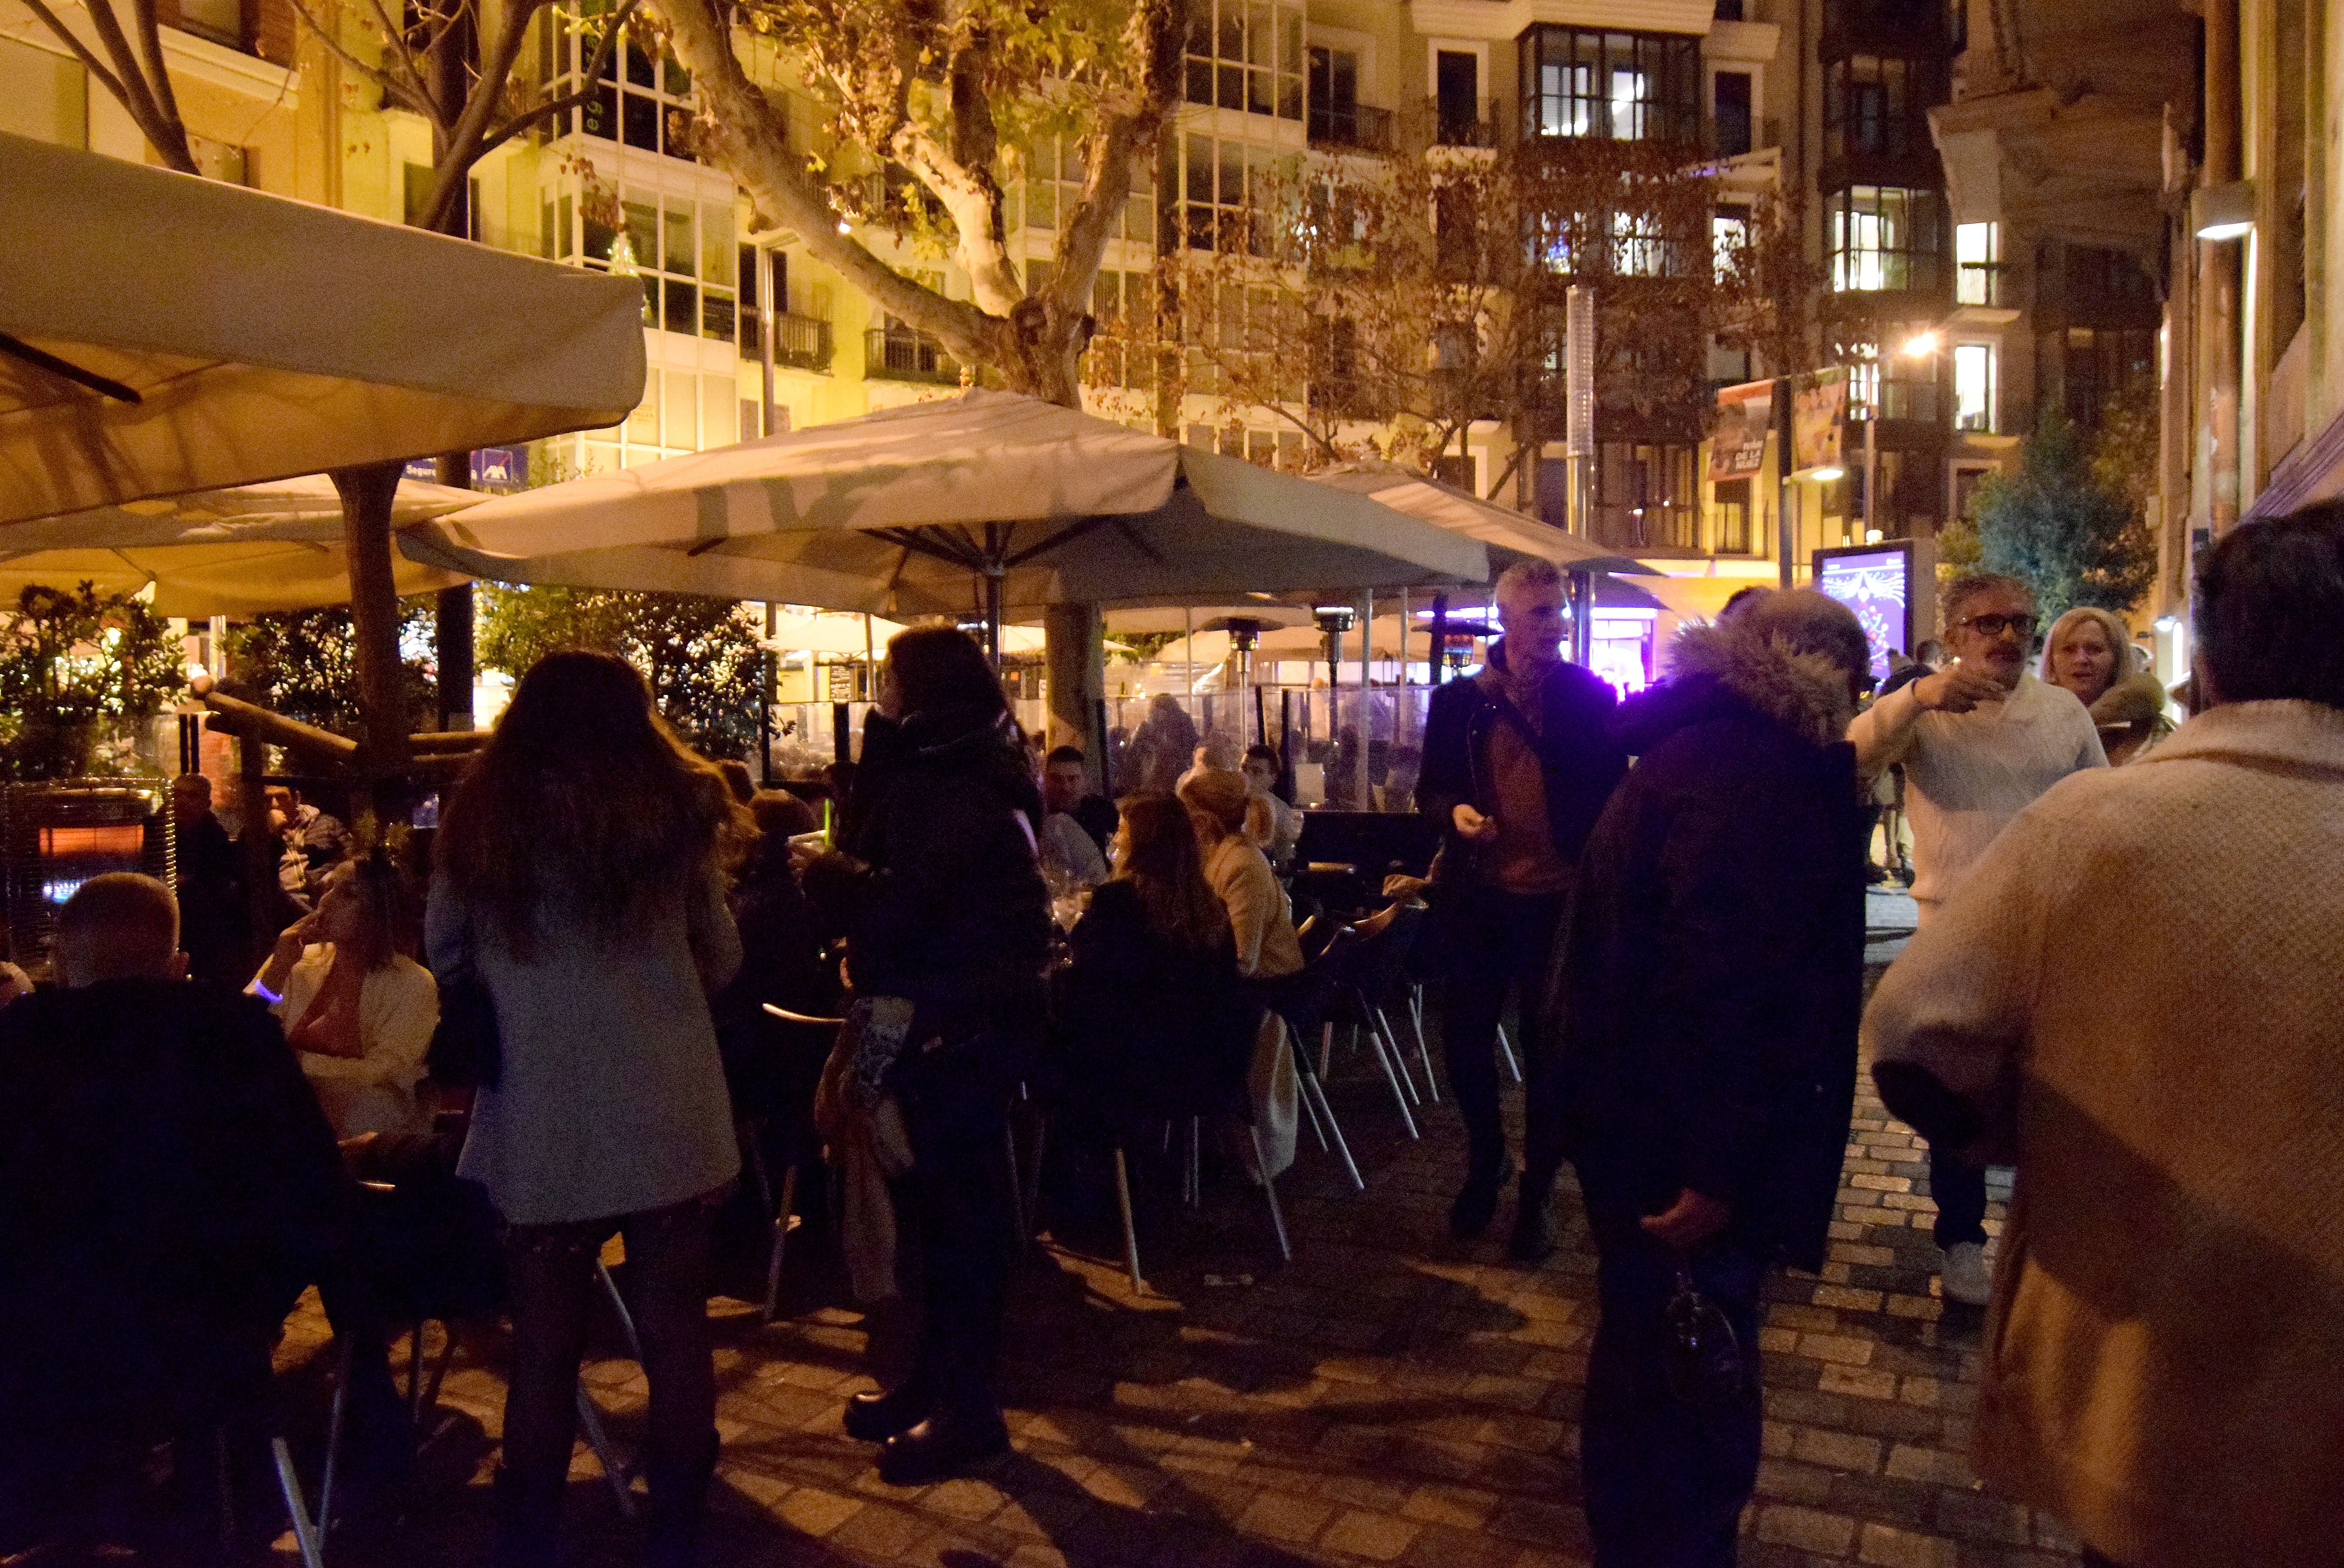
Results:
<point x="465" y="1051"/>
<point x="1706" y="1365"/>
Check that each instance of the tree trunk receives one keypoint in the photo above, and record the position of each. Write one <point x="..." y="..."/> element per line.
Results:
<point x="366" y="495"/>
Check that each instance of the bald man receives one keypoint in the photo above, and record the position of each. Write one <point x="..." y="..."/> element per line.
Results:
<point x="167" y="1185"/>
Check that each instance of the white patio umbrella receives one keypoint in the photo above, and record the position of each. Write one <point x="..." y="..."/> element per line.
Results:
<point x="240" y="552"/>
<point x="980" y="503"/>
<point x="166" y="333"/>
<point x="1506" y="532"/>
<point x="799" y="633"/>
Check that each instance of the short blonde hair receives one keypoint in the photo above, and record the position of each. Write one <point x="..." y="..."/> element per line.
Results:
<point x="2112" y="627"/>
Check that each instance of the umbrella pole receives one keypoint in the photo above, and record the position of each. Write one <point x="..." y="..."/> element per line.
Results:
<point x="1439" y="637"/>
<point x="366" y="495"/>
<point x="766" y="678"/>
<point x="992" y="619"/>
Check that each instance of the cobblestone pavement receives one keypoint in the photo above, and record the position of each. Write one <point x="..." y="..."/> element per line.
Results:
<point x="1390" y="1396"/>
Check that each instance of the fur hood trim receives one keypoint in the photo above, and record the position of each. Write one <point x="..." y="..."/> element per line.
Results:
<point x="2132" y="699"/>
<point x="1806" y="694"/>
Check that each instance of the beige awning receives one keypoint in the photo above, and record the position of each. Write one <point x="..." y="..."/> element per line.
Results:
<point x="1508" y="533"/>
<point x="269" y="337"/>
<point x="906" y="511"/>
<point x="237" y="551"/>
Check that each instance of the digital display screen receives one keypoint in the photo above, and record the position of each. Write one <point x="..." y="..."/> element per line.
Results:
<point x="1877" y="585"/>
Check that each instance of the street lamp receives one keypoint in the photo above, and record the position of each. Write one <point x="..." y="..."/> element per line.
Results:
<point x="2221" y="212"/>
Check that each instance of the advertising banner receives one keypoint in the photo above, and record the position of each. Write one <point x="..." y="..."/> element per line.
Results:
<point x="1818" y="402"/>
<point x="1746" y="416"/>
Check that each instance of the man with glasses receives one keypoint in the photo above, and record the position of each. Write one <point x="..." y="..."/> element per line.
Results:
<point x="1980" y="740"/>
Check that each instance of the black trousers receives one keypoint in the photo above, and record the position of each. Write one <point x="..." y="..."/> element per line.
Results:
<point x="1960" y="1192"/>
<point x="1496" y="945"/>
<point x="1664" y="1481"/>
<point x="955" y="1204"/>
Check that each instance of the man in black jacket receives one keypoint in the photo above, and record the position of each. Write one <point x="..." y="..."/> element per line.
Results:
<point x="1516" y="766"/>
<point x="167" y="1186"/>
<point x="1706" y="1003"/>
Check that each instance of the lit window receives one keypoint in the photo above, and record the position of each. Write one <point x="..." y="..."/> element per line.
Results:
<point x="1973" y="387"/>
<point x="1225" y="188"/>
<point x="1977" y="250"/>
<point x="1246" y="55"/>
<point x="1729" y="238"/>
<point x="1638" y="249"/>
<point x="1883" y="238"/>
<point x="1628" y="87"/>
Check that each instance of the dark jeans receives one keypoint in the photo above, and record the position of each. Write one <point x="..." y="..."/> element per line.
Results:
<point x="1960" y="1192"/>
<point x="550" y="1270"/>
<point x="1664" y="1482"/>
<point x="1494" y="945"/>
<point x="955" y="1204"/>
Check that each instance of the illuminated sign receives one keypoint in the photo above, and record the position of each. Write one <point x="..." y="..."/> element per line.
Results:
<point x="1875" y="581"/>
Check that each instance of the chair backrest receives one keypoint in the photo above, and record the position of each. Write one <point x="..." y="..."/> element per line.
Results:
<point x="1388" y="940"/>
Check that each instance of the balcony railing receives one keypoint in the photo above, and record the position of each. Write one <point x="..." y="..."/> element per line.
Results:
<point x="899" y="354"/>
<point x="1981" y="283"/>
<point x="1483" y="123"/>
<point x="1355" y="125"/>
<point x="802" y="342"/>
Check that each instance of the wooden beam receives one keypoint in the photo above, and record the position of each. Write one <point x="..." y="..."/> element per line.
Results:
<point x="250" y="722"/>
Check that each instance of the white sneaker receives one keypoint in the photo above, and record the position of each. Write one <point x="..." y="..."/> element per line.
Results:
<point x="1967" y="1276"/>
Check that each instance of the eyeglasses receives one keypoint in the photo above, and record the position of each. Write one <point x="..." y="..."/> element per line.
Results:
<point x="1991" y="625"/>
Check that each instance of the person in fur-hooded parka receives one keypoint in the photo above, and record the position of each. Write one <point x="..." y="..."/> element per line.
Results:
<point x="1705" y="1007"/>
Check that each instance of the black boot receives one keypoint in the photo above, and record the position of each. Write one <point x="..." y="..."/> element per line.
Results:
<point x="679" y="1502"/>
<point x="1476" y="1203"/>
<point x="876" y="1415"/>
<point x="1533" y="1238"/>
<point x="529" y="1519"/>
<point x="956" y="1438"/>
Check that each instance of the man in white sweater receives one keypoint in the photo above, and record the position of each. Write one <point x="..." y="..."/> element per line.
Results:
<point x="1980" y="740"/>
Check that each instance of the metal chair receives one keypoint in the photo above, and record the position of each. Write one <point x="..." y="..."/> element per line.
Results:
<point x="1352" y="962"/>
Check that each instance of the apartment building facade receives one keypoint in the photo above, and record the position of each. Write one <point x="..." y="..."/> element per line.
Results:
<point x="1823" y="102"/>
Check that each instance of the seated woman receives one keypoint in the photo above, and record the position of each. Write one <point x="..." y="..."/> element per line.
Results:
<point x="1152" y="989"/>
<point x="356" y="1008"/>
<point x="1262" y="921"/>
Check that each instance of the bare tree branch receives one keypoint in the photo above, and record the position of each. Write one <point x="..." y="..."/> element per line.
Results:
<point x="750" y="141"/>
<point x="139" y="97"/>
<point x="90" y="63"/>
<point x="463" y="143"/>
<point x="150" y="41"/>
<point x="391" y="85"/>
<point x="591" y="75"/>
<point x="1106" y="173"/>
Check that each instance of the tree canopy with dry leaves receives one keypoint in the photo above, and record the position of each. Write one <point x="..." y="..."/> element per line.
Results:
<point x="938" y="102"/>
<point x="1384" y="302"/>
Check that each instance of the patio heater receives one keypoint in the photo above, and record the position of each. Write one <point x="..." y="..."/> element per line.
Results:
<point x="1245" y="635"/>
<point x="1334" y="620"/>
<point x="56" y="836"/>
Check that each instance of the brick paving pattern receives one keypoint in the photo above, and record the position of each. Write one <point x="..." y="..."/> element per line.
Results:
<point x="1390" y="1396"/>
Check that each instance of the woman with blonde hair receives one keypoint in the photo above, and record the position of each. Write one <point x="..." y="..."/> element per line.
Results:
<point x="1261" y="923"/>
<point x="2089" y="652"/>
<point x="581" y="880"/>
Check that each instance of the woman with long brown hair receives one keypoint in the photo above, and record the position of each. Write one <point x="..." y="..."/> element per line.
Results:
<point x="581" y="878"/>
<point x="356" y="1008"/>
<point x="1151" y="1014"/>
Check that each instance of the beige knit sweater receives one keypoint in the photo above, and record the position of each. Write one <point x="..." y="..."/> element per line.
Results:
<point x="1967" y="775"/>
<point x="2142" y="982"/>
